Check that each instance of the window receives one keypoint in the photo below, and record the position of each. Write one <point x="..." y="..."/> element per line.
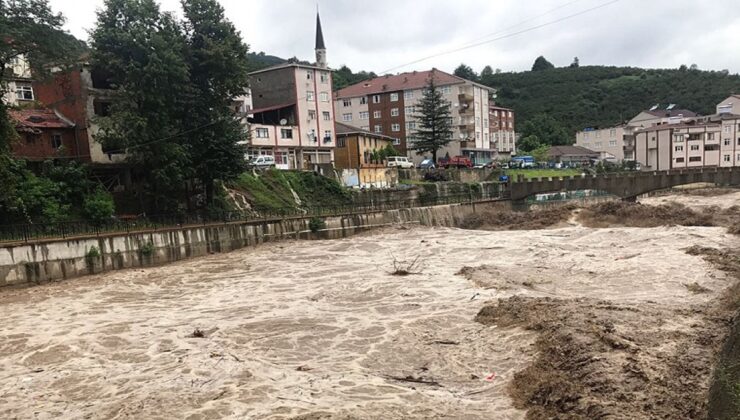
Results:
<point x="101" y="108"/>
<point x="324" y="77"/>
<point x="612" y="143"/>
<point x="678" y="138"/>
<point x="495" y="114"/>
<point x="364" y="115"/>
<point x="409" y="94"/>
<point x="394" y="112"/>
<point x="695" y="159"/>
<point x="376" y="114"/>
<point x="395" y="127"/>
<point x="311" y="114"/>
<point x="327" y="116"/>
<point x="363" y="100"/>
<point x="678" y="148"/>
<point x="56" y="141"/>
<point x="727" y="129"/>
<point x="710" y="136"/>
<point x="378" y="129"/>
<point x="327" y="136"/>
<point x="312" y="135"/>
<point x="613" y="132"/>
<point x="309" y="96"/>
<point x="346" y="117"/>
<point x="509" y="114"/>
<point x="341" y="142"/>
<point x="485" y="137"/>
<point x="396" y="142"/>
<point x="262" y="133"/>
<point x="485" y="122"/>
<point x="376" y="99"/>
<point x="24" y="91"/>
<point x="727" y="158"/>
<point x="711" y="147"/>
<point x="511" y="125"/>
<point x="598" y="134"/>
<point x="679" y="160"/>
<point x="694" y="147"/>
<point x="411" y="125"/>
<point x="477" y="120"/>
<point x="324" y="96"/>
<point x="408" y="110"/>
<point x="727" y="142"/>
<point x="446" y="90"/>
<point x="394" y="97"/>
<point x="308" y="75"/>
<point x="477" y="135"/>
<point x="286" y="133"/>
<point x="365" y="127"/>
<point x="347" y="102"/>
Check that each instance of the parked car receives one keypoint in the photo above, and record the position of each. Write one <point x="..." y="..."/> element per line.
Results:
<point x="427" y="164"/>
<point x="261" y="162"/>
<point x="522" y="162"/>
<point x="487" y="165"/>
<point x="400" y="162"/>
<point x="456" y="162"/>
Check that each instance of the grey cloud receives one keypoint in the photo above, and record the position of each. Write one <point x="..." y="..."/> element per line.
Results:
<point x="381" y="34"/>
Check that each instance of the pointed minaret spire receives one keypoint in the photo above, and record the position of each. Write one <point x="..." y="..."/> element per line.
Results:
<point x="320" y="47"/>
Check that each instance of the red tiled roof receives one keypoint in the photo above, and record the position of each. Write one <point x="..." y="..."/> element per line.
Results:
<point x="398" y="82"/>
<point x="39" y="118"/>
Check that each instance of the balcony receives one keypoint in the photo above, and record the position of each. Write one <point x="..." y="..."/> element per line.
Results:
<point x="465" y="97"/>
<point x="466" y="123"/>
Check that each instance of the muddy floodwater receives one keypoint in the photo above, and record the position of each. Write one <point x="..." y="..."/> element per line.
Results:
<point x="321" y="329"/>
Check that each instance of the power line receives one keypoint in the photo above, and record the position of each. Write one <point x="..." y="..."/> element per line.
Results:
<point x="552" y="22"/>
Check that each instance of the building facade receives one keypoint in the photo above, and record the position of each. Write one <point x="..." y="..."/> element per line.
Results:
<point x="503" y="130"/>
<point x="293" y="115"/>
<point x="43" y="134"/>
<point x="388" y="105"/>
<point x="617" y="143"/>
<point x="354" y="157"/>
<point x="81" y="95"/>
<point x="19" y="89"/>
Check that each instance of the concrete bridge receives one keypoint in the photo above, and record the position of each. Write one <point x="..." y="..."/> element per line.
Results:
<point x="626" y="185"/>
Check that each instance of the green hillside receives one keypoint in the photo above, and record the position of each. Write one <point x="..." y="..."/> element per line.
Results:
<point x="597" y="96"/>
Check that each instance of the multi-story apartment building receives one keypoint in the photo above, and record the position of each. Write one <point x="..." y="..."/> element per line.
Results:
<point x="81" y="95"/>
<point x="293" y="115"/>
<point x="731" y="105"/>
<point x="388" y="105"/>
<point x="711" y="141"/>
<point x="617" y="143"/>
<point x="19" y="89"/>
<point x="503" y="130"/>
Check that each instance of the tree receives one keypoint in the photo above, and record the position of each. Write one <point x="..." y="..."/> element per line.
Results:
<point x="217" y="58"/>
<point x="575" y="64"/>
<point x="344" y="77"/>
<point x="143" y="51"/>
<point x="434" y="120"/>
<point x="541" y="154"/>
<point x="486" y="74"/>
<point x="542" y="64"/>
<point x="466" y="72"/>
<point x="546" y="129"/>
<point x="529" y="143"/>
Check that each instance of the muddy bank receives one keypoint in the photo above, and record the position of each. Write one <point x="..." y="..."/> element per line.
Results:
<point x="507" y="219"/>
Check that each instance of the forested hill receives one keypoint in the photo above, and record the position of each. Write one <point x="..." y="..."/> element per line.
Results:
<point x="597" y="96"/>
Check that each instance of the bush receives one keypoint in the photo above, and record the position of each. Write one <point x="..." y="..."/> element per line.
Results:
<point x="316" y="224"/>
<point x="436" y="176"/>
<point x="147" y="249"/>
<point x="98" y="207"/>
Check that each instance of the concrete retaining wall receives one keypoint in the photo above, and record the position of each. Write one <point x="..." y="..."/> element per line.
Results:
<point x="44" y="261"/>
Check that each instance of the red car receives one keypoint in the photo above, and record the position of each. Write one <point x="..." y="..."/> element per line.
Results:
<point x="456" y="162"/>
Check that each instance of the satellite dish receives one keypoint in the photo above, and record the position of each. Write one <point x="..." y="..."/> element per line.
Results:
<point x="283" y="122"/>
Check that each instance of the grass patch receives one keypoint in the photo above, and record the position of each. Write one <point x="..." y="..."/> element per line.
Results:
<point x="542" y="173"/>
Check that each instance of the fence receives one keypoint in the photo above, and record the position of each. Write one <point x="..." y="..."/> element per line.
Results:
<point x="28" y="232"/>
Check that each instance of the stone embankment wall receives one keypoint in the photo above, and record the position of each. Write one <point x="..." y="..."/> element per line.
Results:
<point x="52" y="260"/>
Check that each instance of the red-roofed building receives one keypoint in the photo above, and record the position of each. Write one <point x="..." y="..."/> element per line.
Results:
<point x="43" y="134"/>
<point x="387" y="105"/>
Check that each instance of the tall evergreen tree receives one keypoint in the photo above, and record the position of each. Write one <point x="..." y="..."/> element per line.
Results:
<point x="217" y="58"/>
<point x="142" y="49"/>
<point x="466" y="72"/>
<point x="434" y="120"/>
<point x="541" y="63"/>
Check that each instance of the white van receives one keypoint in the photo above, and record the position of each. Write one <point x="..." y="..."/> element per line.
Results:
<point x="400" y="162"/>
<point x="261" y="162"/>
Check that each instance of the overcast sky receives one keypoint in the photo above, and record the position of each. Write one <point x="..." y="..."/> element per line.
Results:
<point x="380" y="35"/>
